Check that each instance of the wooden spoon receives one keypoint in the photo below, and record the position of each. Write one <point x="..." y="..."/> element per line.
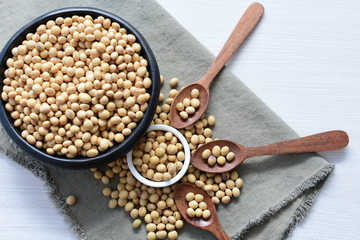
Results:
<point x="243" y="28"/>
<point x="331" y="140"/>
<point x="212" y="223"/>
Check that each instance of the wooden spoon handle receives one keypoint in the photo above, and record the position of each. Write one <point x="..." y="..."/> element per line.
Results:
<point x="331" y="140"/>
<point x="243" y="28"/>
<point x="219" y="232"/>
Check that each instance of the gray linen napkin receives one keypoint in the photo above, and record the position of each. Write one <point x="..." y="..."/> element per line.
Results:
<point x="278" y="190"/>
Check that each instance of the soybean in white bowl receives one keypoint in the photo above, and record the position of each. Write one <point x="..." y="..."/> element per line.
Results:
<point x="182" y="171"/>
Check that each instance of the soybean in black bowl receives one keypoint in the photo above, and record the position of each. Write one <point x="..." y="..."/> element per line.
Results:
<point x="119" y="149"/>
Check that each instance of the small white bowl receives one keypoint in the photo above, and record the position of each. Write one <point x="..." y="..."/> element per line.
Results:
<point x="179" y="175"/>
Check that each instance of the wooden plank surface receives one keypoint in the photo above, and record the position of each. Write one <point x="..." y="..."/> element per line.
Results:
<point x="303" y="61"/>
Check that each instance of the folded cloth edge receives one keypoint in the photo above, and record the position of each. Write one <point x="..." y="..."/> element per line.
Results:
<point x="314" y="184"/>
<point x="41" y="171"/>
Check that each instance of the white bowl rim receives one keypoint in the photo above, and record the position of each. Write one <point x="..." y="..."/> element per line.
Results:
<point x="179" y="175"/>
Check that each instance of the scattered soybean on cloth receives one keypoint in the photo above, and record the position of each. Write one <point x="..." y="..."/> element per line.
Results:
<point x="278" y="190"/>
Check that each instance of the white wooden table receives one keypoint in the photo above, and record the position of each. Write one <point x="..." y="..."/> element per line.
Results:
<point x="303" y="60"/>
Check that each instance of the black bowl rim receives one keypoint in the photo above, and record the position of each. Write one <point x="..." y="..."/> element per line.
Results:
<point x="119" y="149"/>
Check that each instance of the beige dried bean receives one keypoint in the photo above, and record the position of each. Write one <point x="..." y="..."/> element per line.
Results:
<point x="206" y="214"/>
<point x="71" y="200"/>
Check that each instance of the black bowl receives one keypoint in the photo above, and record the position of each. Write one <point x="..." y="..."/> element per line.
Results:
<point x="119" y="149"/>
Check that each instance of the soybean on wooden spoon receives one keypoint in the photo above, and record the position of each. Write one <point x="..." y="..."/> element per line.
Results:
<point x="212" y="223"/>
<point x="331" y="140"/>
<point x="243" y="28"/>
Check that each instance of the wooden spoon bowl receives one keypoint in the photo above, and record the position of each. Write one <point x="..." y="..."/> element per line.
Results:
<point x="202" y="164"/>
<point x="186" y="93"/>
<point x="212" y="223"/>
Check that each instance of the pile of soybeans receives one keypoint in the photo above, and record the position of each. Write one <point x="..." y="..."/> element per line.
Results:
<point x="77" y="86"/>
